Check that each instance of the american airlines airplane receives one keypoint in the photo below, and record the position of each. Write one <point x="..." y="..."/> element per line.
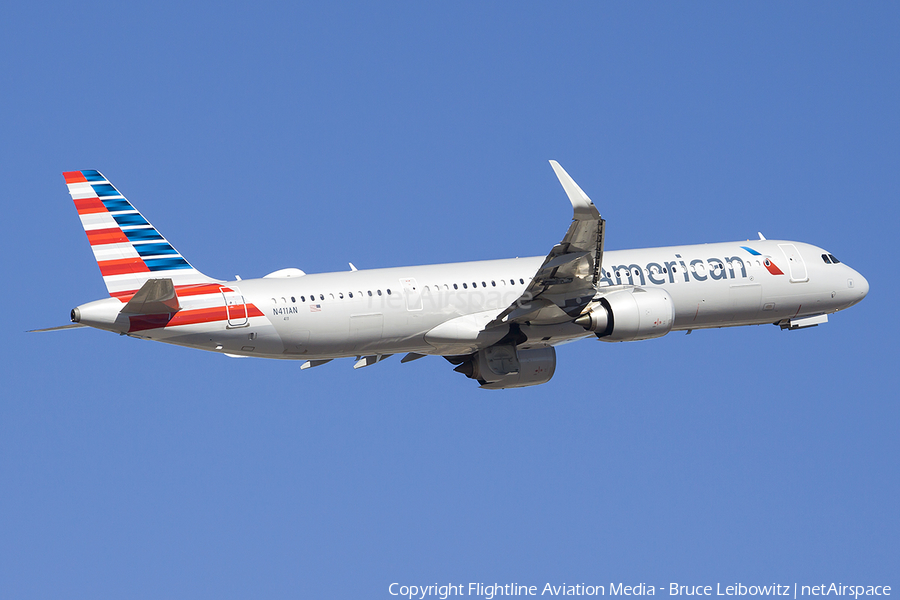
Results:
<point x="498" y="321"/>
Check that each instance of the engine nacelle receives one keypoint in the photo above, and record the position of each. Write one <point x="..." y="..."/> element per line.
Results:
<point x="627" y="315"/>
<point x="504" y="366"/>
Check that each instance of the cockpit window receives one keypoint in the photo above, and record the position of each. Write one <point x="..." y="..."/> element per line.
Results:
<point x="833" y="259"/>
<point x="826" y="259"/>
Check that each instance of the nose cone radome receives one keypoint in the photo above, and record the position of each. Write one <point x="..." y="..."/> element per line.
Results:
<point x="862" y="286"/>
<point x="858" y="287"/>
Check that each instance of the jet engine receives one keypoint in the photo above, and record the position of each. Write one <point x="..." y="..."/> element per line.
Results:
<point x="504" y="366"/>
<point x="627" y="315"/>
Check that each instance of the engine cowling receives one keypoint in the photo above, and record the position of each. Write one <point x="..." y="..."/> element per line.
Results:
<point x="504" y="366"/>
<point x="628" y="315"/>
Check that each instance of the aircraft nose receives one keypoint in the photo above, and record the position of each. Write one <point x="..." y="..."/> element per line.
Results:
<point x="862" y="285"/>
<point x="859" y="287"/>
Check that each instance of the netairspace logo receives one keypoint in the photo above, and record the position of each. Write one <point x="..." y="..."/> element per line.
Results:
<point x="489" y="591"/>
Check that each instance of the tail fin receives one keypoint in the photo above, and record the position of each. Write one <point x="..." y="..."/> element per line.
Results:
<point x="128" y="249"/>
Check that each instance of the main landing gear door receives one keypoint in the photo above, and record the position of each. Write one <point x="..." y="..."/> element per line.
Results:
<point x="235" y="307"/>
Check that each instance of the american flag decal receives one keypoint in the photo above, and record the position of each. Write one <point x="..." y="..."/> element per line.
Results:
<point x="315" y="308"/>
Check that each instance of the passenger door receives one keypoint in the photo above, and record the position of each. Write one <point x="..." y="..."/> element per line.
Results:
<point x="412" y="293"/>
<point x="795" y="263"/>
<point x="235" y="307"/>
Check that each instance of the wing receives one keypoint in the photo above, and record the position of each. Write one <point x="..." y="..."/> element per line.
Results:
<point x="567" y="279"/>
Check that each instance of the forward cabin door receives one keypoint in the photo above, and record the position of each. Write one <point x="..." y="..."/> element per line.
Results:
<point x="412" y="293"/>
<point x="235" y="307"/>
<point x="795" y="263"/>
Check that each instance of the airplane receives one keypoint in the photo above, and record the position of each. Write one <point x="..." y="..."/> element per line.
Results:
<point x="497" y="321"/>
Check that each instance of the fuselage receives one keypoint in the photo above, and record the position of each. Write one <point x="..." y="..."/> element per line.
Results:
<point x="439" y="309"/>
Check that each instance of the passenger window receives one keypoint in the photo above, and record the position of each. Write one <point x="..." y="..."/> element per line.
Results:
<point x="493" y="284"/>
<point x="483" y="284"/>
<point x="389" y="291"/>
<point x="321" y="296"/>
<point x="522" y="281"/>
<point x="370" y="292"/>
<point x="465" y="287"/>
<point x="302" y="298"/>
<point x="379" y="292"/>
<point x="349" y="294"/>
<point x="341" y="295"/>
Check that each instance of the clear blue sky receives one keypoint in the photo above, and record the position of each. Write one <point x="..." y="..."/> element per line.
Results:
<point x="258" y="137"/>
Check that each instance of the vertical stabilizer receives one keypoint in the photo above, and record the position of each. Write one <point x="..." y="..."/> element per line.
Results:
<point x="128" y="249"/>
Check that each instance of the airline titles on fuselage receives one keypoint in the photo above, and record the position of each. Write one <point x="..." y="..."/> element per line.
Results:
<point x="660" y="274"/>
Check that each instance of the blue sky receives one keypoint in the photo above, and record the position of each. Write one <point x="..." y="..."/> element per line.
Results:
<point x="309" y="135"/>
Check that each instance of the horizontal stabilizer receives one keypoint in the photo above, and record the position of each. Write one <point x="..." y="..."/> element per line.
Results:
<point x="155" y="297"/>
<point x="60" y="328"/>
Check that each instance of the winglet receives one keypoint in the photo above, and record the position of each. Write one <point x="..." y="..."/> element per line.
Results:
<point x="582" y="205"/>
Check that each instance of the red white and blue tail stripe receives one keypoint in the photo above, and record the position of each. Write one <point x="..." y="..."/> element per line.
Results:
<point x="128" y="249"/>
